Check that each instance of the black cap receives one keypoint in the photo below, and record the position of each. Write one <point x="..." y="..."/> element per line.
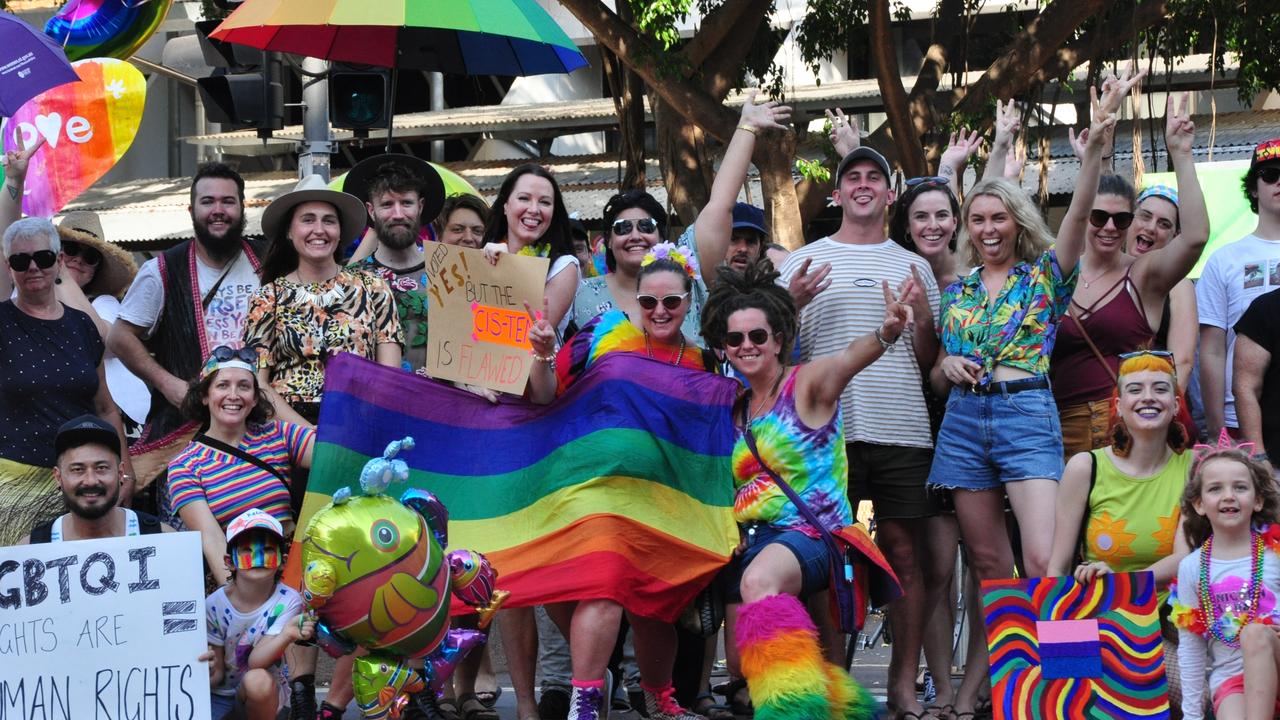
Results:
<point x="863" y="153"/>
<point x="85" y="430"/>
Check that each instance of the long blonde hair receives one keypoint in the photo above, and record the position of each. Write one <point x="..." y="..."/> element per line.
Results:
<point x="1033" y="234"/>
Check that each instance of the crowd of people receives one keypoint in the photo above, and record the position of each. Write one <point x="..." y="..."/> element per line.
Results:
<point x="991" y="386"/>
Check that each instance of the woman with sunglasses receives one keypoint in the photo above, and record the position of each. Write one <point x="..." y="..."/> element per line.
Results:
<point x="51" y="371"/>
<point x="790" y="420"/>
<point x="241" y="458"/>
<point x="664" y="282"/>
<point x="1119" y="299"/>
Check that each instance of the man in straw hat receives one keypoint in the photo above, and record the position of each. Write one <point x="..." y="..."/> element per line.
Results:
<point x="401" y="193"/>
<point x="190" y="299"/>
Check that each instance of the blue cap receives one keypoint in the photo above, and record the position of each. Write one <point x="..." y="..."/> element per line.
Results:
<point x="749" y="216"/>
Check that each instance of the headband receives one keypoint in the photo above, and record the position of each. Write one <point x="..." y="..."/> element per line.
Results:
<point x="213" y="365"/>
<point x="677" y="254"/>
<point x="1160" y="191"/>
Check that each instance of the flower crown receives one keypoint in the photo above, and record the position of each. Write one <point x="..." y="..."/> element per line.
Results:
<point x="677" y="254"/>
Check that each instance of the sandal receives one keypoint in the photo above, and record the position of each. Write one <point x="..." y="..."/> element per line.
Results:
<point x="489" y="698"/>
<point x="738" y="707"/>
<point x="705" y="705"/>
<point x="943" y="712"/>
<point x="474" y="709"/>
<point x="448" y="708"/>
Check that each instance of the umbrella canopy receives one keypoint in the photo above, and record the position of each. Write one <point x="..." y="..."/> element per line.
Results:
<point x="454" y="184"/>
<point x="30" y="63"/>
<point x="471" y="37"/>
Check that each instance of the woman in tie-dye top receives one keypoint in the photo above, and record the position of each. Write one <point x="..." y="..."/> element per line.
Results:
<point x="793" y="414"/>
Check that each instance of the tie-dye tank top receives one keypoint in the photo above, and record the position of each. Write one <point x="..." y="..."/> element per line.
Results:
<point x="811" y="460"/>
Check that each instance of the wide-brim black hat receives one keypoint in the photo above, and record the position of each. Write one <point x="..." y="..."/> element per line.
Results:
<point x="432" y="196"/>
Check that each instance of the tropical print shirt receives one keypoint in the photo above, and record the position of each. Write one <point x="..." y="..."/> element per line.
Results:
<point x="1019" y="328"/>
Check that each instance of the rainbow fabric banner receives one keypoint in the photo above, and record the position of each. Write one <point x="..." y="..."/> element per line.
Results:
<point x="1060" y="649"/>
<point x="620" y="489"/>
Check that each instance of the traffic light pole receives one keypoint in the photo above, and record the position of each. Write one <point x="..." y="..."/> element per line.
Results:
<point x="317" y="144"/>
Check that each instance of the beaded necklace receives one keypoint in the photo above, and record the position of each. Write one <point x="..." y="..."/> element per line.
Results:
<point x="648" y="348"/>
<point x="536" y="250"/>
<point x="1212" y="615"/>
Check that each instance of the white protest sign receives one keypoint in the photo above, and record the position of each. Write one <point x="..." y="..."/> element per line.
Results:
<point x="104" y="629"/>
<point x="479" y="328"/>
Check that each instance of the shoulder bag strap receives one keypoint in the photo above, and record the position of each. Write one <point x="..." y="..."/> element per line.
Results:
<point x="1096" y="352"/>
<point x="238" y="453"/>
<point x="1084" y="516"/>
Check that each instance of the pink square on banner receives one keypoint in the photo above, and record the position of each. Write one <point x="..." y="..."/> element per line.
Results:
<point x="1067" y="631"/>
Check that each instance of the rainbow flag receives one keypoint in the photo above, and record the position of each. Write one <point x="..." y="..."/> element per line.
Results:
<point x="620" y="489"/>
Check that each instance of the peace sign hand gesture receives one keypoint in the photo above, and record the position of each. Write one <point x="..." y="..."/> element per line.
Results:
<point x="541" y="335"/>
<point x="1179" y="130"/>
<point x="897" y="310"/>
<point x="16" y="161"/>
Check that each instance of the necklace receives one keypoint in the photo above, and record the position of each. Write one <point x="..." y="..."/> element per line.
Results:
<point x="323" y="299"/>
<point x="772" y="391"/>
<point x="648" y="348"/>
<point x="1212" y="614"/>
<point x="1096" y="278"/>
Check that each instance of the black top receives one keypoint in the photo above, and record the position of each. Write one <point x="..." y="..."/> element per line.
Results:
<point x="48" y="375"/>
<point x="1261" y="324"/>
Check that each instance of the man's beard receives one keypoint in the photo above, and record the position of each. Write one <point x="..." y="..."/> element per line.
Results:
<point x="220" y="248"/>
<point x="398" y="236"/>
<point x="94" y="513"/>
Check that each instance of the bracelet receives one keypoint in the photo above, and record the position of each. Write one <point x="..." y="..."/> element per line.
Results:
<point x="748" y="128"/>
<point x="884" y="344"/>
<point x="1261" y="457"/>
<point x="550" y="359"/>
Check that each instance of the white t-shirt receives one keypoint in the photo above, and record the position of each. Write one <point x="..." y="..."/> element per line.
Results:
<point x="884" y="403"/>
<point x="225" y="316"/>
<point x="561" y="264"/>
<point x="237" y="633"/>
<point x="127" y="389"/>
<point x="1233" y="276"/>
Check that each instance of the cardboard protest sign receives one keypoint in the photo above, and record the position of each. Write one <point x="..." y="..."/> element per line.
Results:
<point x="87" y="127"/>
<point x="479" y="330"/>
<point x="105" y="629"/>
<point x="1060" y="649"/>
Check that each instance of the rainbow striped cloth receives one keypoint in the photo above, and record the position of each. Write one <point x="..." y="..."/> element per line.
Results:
<point x="620" y="489"/>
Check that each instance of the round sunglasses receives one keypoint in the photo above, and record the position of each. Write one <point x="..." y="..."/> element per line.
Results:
<point x="734" y="338"/>
<point x="44" y="259"/>
<point x="670" y="302"/>
<point x="644" y="225"/>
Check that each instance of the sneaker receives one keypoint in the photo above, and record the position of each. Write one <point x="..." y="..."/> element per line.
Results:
<point x="302" y="699"/>
<point x="425" y="706"/>
<point x="929" y="689"/>
<point x="554" y="704"/>
<point x="586" y="704"/>
<point x="663" y="706"/>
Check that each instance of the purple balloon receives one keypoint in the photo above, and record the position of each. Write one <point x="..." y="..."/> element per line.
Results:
<point x="442" y="661"/>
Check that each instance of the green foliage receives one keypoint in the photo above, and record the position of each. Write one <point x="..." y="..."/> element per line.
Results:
<point x="828" y="28"/>
<point x="1248" y="28"/>
<point x="815" y="170"/>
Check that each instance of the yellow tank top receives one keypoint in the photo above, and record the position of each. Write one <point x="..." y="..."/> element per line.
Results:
<point x="1133" y="520"/>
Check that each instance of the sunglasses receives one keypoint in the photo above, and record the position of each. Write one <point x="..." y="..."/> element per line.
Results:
<point x="90" y="256"/>
<point x="1099" y="218"/>
<point x="934" y="179"/>
<point x="1153" y="353"/>
<point x="644" y="225"/>
<point x="759" y="336"/>
<point x="670" y="302"/>
<point x="44" y="259"/>
<point x="223" y="353"/>
<point x="1269" y="174"/>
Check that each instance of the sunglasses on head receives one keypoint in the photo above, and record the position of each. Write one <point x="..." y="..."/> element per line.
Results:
<point x="1269" y="174"/>
<point x="223" y="353"/>
<point x="44" y="259"/>
<point x="644" y="225"/>
<point x="1099" y="218"/>
<point x="933" y="179"/>
<point x="1153" y="353"/>
<point x="670" y="302"/>
<point x="734" y="338"/>
<point x="90" y="256"/>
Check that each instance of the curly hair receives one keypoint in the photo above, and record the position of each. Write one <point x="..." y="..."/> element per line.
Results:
<point x="755" y="288"/>
<point x="193" y="407"/>
<point x="1121" y="440"/>
<point x="1034" y="237"/>
<point x="1196" y="527"/>
<point x="901" y="219"/>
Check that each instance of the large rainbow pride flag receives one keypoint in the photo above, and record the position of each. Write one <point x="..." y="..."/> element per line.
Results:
<point x="620" y="489"/>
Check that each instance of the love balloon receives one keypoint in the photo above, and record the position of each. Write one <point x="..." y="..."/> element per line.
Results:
<point x="87" y="127"/>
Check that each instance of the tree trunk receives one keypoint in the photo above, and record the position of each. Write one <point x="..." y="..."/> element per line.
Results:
<point x="905" y="139"/>
<point x="686" y="172"/>
<point x="774" y="155"/>
<point x="628" y="104"/>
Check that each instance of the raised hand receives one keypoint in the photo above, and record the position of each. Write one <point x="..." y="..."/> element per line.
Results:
<point x="1114" y="90"/>
<point x="844" y="132"/>
<point x="897" y="311"/>
<point x="963" y="144"/>
<point x="1008" y="123"/>
<point x="541" y="335"/>
<point x="1179" y="130"/>
<point x="17" y="161"/>
<point x="805" y="287"/>
<point x="765" y="115"/>
<point x="1015" y="159"/>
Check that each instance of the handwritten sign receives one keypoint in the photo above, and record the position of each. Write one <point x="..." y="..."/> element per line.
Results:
<point x="479" y="330"/>
<point x="106" y="629"/>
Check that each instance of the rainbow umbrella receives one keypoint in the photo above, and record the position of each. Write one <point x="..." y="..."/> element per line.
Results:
<point x="470" y="37"/>
<point x="454" y="184"/>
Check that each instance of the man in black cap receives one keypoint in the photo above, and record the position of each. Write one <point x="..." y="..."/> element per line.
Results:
<point x="402" y="193"/>
<point x="88" y="472"/>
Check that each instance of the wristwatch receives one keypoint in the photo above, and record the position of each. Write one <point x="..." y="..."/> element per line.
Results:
<point x="884" y="344"/>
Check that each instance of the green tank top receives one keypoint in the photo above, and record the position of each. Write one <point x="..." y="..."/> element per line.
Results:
<point x="1133" y="520"/>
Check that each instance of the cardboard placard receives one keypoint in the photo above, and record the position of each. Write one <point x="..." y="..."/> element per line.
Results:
<point x="1060" y="649"/>
<point x="105" y="629"/>
<point x="478" y="328"/>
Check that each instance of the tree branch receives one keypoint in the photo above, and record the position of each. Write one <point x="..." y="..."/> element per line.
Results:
<point x="717" y="26"/>
<point x="895" y="96"/>
<point x="1086" y="48"/>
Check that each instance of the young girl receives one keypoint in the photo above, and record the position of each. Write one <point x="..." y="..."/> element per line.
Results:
<point x="1224" y="602"/>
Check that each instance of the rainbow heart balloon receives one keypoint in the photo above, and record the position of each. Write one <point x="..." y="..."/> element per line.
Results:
<point x="106" y="28"/>
<point x="87" y="127"/>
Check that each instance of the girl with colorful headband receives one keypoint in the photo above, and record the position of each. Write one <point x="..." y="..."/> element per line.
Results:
<point x="1225" y="599"/>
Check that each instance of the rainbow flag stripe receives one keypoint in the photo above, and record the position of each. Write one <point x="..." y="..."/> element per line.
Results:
<point x="620" y="489"/>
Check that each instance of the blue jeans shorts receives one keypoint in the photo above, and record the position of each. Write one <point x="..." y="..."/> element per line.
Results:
<point x="988" y="440"/>
<point x="814" y="558"/>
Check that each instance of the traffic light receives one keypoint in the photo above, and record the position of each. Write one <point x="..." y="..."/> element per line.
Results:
<point x="358" y="96"/>
<point x="246" y="89"/>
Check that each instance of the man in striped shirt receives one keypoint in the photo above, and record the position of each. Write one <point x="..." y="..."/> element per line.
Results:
<point x="886" y="424"/>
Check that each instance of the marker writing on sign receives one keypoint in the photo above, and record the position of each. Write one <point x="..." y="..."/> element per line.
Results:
<point x="97" y="576"/>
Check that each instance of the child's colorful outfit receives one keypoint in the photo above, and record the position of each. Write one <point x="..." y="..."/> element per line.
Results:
<point x="238" y="632"/>
<point x="1228" y="607"/>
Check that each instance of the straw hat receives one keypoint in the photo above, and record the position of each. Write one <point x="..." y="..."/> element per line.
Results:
<point x="352" y="215"/>
<point x="116" y="271"/>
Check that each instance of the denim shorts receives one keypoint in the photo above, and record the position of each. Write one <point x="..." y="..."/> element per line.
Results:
<point x="988" y="440"/>
<point x="812" y="553"/>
